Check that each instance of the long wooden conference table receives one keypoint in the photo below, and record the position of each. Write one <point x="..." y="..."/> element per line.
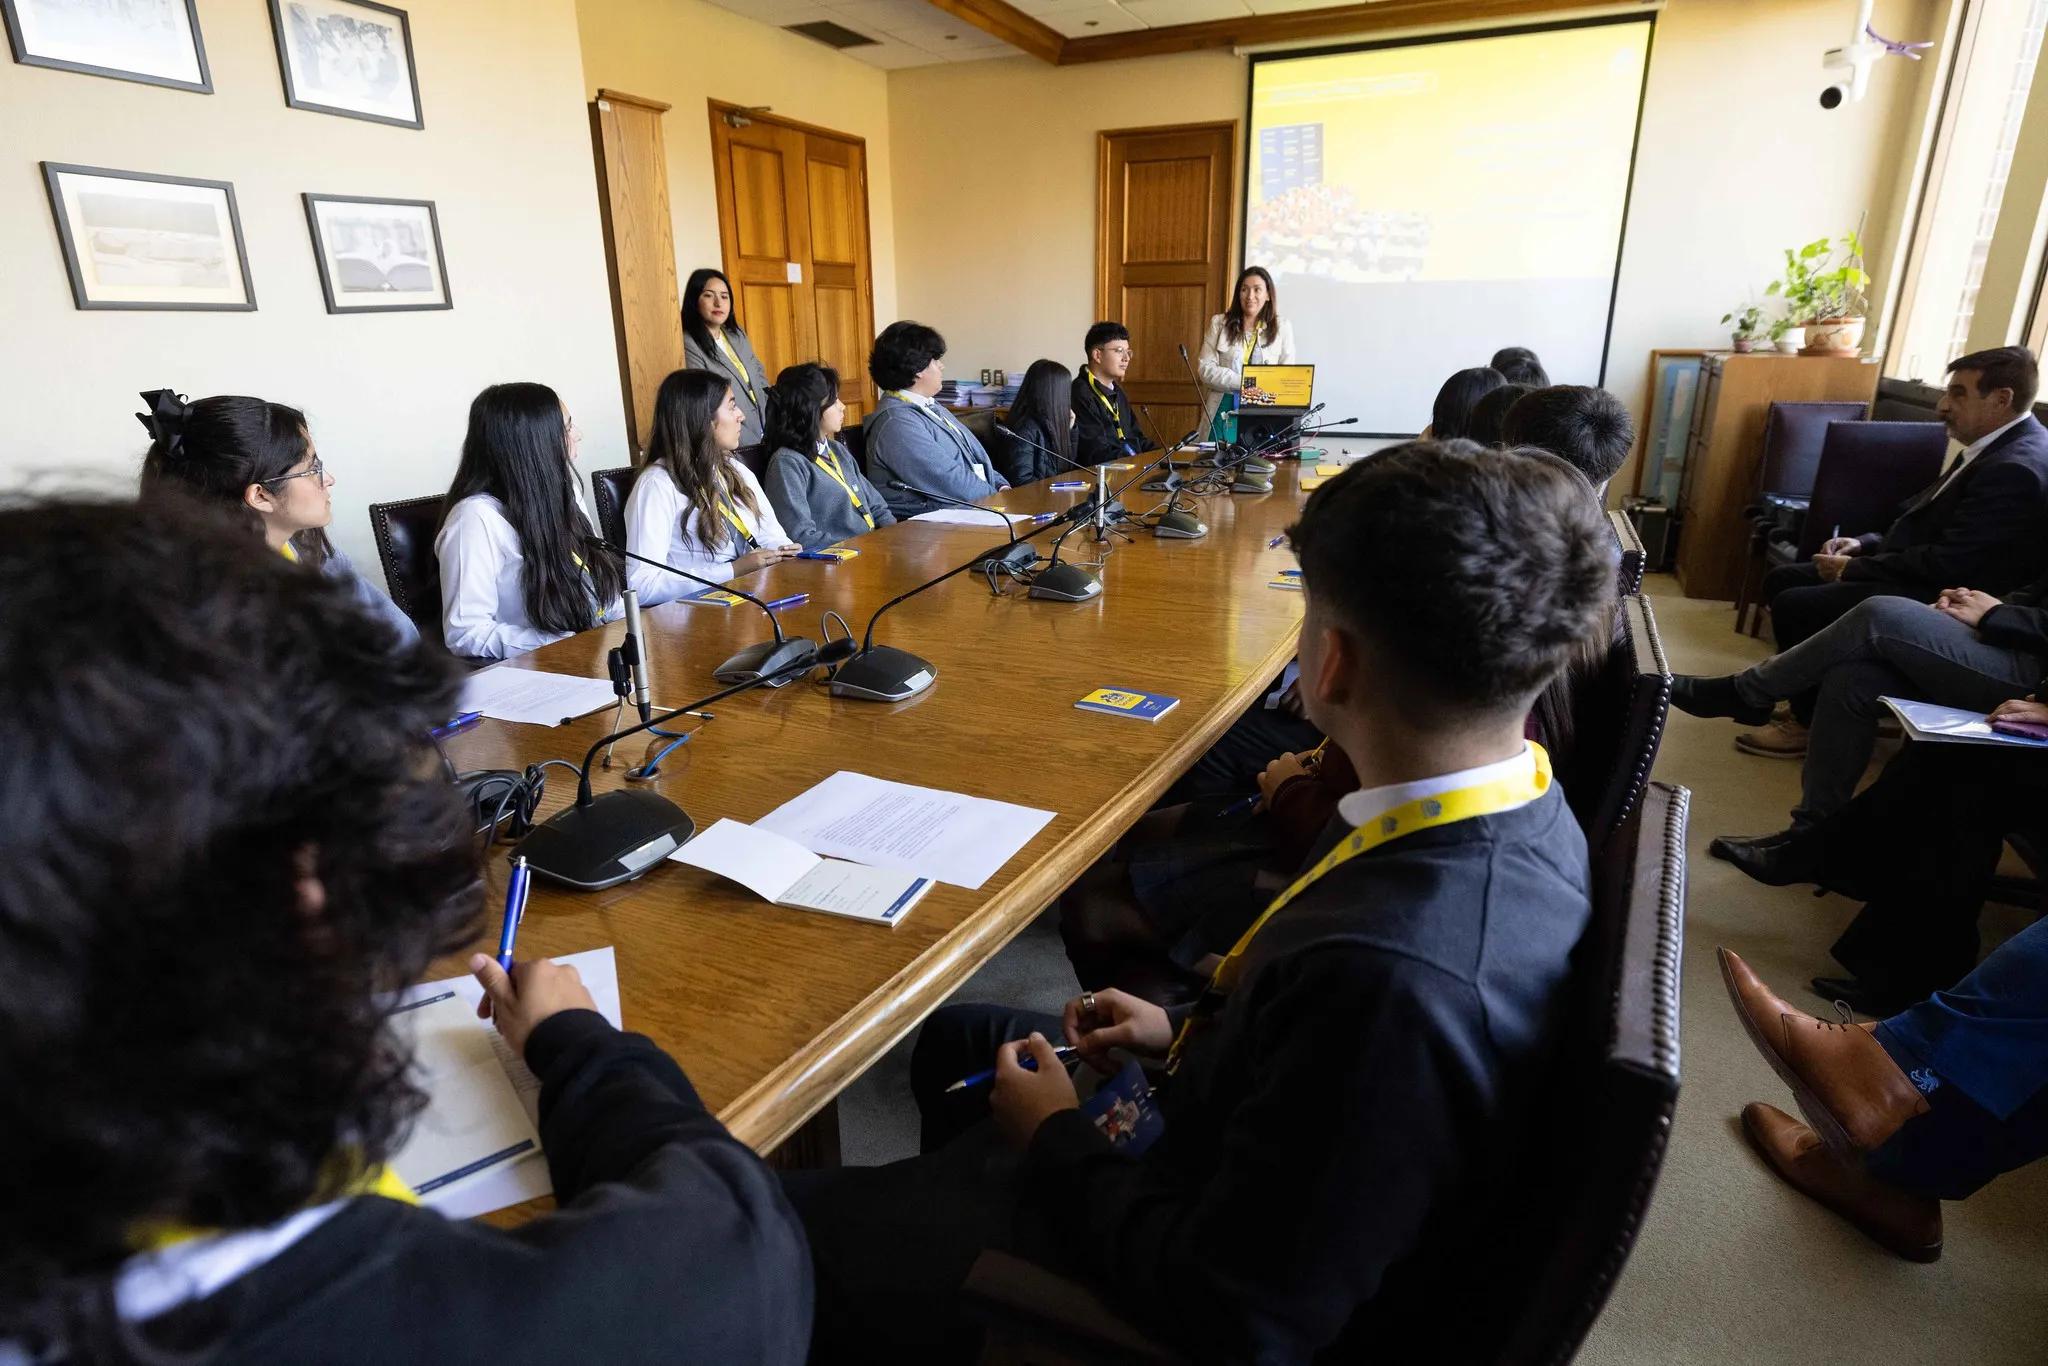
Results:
<point x="773" y="1011"/>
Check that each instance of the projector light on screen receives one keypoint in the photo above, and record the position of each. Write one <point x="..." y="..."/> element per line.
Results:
<point x="1423" y="204"/>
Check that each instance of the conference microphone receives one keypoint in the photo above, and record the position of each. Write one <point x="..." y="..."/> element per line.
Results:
<point x="1265" y="467"/>
<point x="597" y="842"/>
<point x="1095" y="507"/>
<point x="1061" y="582"/>
<point x="754" y="662"/>
<point x="638" y="659"/>
<point x="1016" y="555"/>
<point x="1169" y="519"/>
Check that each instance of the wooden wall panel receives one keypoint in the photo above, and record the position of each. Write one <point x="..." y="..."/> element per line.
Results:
<point x="640" y="257"/>
<point x="1174" y="229"/>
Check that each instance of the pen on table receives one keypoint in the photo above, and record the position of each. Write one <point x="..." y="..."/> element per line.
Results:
<point x="515" y="909"/>
<point x="456" y="726"/>
<point x="792" y="600"/>
<point x="1274" y="544"/>
<point x="817" y="555"/>
<point x="1065" y="1053"/>
<point x="1062" y="485"/>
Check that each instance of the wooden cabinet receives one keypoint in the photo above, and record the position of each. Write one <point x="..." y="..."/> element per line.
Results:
<point x="1724" y="451"/>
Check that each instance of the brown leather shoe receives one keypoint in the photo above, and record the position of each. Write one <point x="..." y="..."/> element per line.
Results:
<point x="1907" y="1224"/>
<point x="1782" y="739"/>
<point x="1847" y="1086"/>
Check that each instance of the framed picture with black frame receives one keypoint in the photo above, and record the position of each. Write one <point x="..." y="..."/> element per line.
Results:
<point x="348" y="57"/>
<point x="156" y="42"/>
<point x="378" y="255"/>
<point x="140" y="241"/>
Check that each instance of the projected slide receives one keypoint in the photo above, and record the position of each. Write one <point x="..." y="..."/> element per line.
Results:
<point x="1421" y="206"/>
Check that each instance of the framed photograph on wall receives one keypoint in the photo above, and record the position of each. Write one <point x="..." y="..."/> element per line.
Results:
<point x="134" y="240"/>
<point x="347" y="57"/>
<point x="154" y="41"/>
<point x="378" y="255"/>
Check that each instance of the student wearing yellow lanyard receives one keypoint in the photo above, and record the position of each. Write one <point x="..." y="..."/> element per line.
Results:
<point x="713" y="340"/>
<point x="1249" y="332"/>
<point x="204" y="1099"/>
<point x="812" y="480"/>
<point x="915" y="448"/>
<point x="695" y="505"/>
<point x="1106" y="425"/>
<point x="1342" y="1106"/>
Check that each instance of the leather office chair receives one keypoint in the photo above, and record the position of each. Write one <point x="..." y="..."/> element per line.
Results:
<point x="755" y="458"/>
<point x="608" y="490"/>
<point x="856" y="442"/>
<point x="1628" y="580"/>
<point x="1793" y="436"/>
<point x="1588" y="1168"/>
<point x="981" y="422"/>
<point x="1618" y="722"/>
<point x="405" y="533"/>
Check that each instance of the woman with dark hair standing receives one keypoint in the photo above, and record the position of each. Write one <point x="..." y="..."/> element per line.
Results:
<point x="1043" y="419"/>
<point x="911" y="439"/>
<point x="694" y="505"/>
<point x="1249" y="332"/>
<point x="258" y="459"/>
<point x="813" y="482"/>
<point x="714" y="341"/>
<point x="516" y="572"/>
<point x="1451" y="416"/>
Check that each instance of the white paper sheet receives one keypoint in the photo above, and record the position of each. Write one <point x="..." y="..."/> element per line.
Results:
<point x="780" y="870"/>
<point x="971" y="517"/>
<point x="1926" y="721"/>
<point x="533" y="696"/>
<point x="473" y="1122"/>
<point x="944" y="835"/>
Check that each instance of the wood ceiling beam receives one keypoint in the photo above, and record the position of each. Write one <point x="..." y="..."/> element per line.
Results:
<point x="1010" y="24"/>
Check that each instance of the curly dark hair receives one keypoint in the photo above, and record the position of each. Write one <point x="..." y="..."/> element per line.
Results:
<point x="1513" y="561"/>
<point x="226" y="845"/>
<point x="902" y="352"/>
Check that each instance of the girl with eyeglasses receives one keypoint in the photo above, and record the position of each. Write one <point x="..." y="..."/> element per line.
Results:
<point x="257" y="458"/>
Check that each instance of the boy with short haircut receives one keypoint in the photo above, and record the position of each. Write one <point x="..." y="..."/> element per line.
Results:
<point x="1587" y="428"/>
<point x="1106" y="427"/>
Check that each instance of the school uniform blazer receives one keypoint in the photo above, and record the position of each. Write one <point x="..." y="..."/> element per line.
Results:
<point x="662" y="524"/>
<point x="926" y="446"/>
<point x="813" y="507"/>
<point x="1986" y="528"/>
<point x="751" y="427"/>
<point x="1221" y="363"/>
<point x="483" y="605"/>
<point x="1095" y="438"/>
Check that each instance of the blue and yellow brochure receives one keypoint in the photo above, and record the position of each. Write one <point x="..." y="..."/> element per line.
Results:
<point x="714" y="597"/>
<point x="1145" y="706"/>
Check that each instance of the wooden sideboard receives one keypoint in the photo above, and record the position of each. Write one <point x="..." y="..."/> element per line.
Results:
<point x="1724" y="451"/>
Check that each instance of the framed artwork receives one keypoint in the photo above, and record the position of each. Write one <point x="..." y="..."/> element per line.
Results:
<point x="1674" y="384"/>
<point x="347" y="57"/>
<point x="378" y="255"/>
<point x="134" y="240"/>
<point x="153" y="41"/>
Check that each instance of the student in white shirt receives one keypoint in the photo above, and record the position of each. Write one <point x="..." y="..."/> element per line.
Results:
<point x="256" y="458"/>
<point x="694" y="505"/>
<point x="516" y="567"/>
<point x="1249" y="332"/>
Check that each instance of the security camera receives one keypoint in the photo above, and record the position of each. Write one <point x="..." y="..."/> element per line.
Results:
<point x="1832" y="96"/>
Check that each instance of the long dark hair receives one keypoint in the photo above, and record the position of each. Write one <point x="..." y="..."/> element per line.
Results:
<point x="517" y="451"/>
<point x="796" y="408"/>
<point x="693" y="321"/>
<point x="684" y="408"/>
<point x="1451" y="415"/>
<point x="1046" y="397"/>
<point x="1268" y="321"/>
<point x="215" y="448"/>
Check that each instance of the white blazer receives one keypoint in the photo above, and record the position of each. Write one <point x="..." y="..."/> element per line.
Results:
<point x="483" y="606"/>
<point x="1221" y="364"/>
<point x="661" y="524"/>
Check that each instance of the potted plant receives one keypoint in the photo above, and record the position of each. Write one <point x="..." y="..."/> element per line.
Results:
<point x="1749" y="325"/>
<point x="1823" y="289"/>
<point x="1787" y="337"/>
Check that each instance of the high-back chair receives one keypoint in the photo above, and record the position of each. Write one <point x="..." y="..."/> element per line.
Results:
<point x="608" y="490"/>
<point x="405" y="532"/>
<point x="1628" y="576"/>
<point x="1617" y="722"/>
<point x="1867" y="470"/>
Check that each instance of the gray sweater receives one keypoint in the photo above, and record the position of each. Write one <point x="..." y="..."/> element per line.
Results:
<point x="813" y="507"/>
<point x="926" y="447"/>
<point x="694" y="358"/>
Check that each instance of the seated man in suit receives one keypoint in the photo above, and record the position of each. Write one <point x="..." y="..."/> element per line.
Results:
<point x="914" y="446"/>
<point x="1343" y="1104"/>
<point x="1105" y="425"/>
<point x="1929" y="1105"/>
<point x="1983" y="524"/>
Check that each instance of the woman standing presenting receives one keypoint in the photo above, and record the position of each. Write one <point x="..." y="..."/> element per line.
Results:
<point x="1249" y="333"/>
<point x="713" y="340"/>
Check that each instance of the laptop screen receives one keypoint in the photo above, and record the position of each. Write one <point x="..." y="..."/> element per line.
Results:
<point x="1283" y="386"/>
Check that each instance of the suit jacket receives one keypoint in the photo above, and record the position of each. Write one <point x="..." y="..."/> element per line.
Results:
<point x="1095" y="430"/>
<point x="1987" y="528"/>
<point x="752" y="427"/>
<point x="2020" y="622"/>
<point x="928" y="448"/>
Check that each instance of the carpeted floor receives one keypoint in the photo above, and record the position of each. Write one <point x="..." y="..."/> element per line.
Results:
<point x="1731" y="1266"/>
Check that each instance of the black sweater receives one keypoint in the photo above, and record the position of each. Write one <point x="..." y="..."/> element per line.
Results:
<point x="1335" y="1135"/>
<point x="672" y="1243"/>
<point x="1025" y="461"/>
<point x="1095" y="430"/>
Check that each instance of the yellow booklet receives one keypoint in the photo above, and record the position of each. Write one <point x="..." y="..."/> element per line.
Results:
<point x="1329" y="469"/>
<point x="1310" y="483"/>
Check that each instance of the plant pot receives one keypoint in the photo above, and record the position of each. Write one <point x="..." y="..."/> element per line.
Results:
<point x="1833" y="337"/>
<point x="1794" y="338"/>
<point x="1744" y="345"/>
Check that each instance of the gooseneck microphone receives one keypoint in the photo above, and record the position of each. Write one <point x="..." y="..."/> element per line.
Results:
<point x="1020" y="558"/>
<point x="1098" y="507"/>
<point x="1250" y="464"/>
<point x="754" y="662"/>
<point x="597" y="842"/>
<point x="1015" y="555"/>
<point x="638" y="658"/>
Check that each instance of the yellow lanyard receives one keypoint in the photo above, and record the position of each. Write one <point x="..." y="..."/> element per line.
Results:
<point x="1251" y="344"/>
<point x="938" y="414"/>
<point x="746" y="380"/>
<point x="1114" y="416"/>
<point x="1424" y="813"/>
<point x="828" y="461"/>
<point x="379" y="1180"/>
<point x="289" y="551"/>
<point x="597" y="608"/>
<point x="739" y="524"/>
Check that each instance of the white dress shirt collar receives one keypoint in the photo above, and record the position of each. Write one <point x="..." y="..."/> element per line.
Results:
<point x="1368" y="804"/>
<point x="1976" y="448"/>
<point x="921" y="400"/>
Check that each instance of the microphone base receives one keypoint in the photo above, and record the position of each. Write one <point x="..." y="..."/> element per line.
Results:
<point x="1015" y="555"/>
<point x="1251" y="484"/>
<point x="1180" y="526"/>
<point x="767" y="657"/>
<point x="1065" y="583"/>
<point x="883" y="673"/>
<point x="616" y="838"/>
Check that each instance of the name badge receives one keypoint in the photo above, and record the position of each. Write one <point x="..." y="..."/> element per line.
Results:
<point x="980" y="472"/>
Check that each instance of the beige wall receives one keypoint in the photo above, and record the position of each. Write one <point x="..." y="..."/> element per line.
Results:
<point x="506" y="156"/>
<point x="685" y="53"/>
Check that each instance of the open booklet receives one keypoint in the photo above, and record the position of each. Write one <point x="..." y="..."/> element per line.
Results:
<point x="1953" y="725"/>
<point x="780" y="870"/>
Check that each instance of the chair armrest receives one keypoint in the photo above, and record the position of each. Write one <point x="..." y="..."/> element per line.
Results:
<point x="1020" y="1300"/>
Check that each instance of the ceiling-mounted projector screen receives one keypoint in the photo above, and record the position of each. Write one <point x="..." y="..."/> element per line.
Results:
<point x="1422" y="204"/>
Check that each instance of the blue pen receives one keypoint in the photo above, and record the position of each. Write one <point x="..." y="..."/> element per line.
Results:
<point x="1274" y="544"/>
<point x="515" y="910"/>
<point x="1061" y="485"/>
<point x="816" y="555"/>
<point x="1243" y="808"/>
<point x="1064" y="1053"/>
<point x="456" y="726"/>
<point x="792" y="600"/>
<point x="1043" y="518"/>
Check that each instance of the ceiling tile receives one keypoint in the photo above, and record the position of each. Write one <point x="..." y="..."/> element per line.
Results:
<point x="1092" y="20"/>
<point x="891" y="55"/>
<point x="1165" y="13"/>
<point x="1285" y="6"/>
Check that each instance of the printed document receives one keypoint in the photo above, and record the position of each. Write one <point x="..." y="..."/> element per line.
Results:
<point x="533" y="696"/>
<point x="780" y="870"/>
<point x="948" y="836"/>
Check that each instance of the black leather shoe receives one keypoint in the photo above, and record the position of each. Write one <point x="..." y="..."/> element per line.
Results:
<point x="1715" y="698"/>
<point x="1875" y="999"/>
<point x="1779" y="860"/>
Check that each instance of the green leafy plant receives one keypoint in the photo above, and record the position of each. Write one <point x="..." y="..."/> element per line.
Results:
<point x="1823" y="279"/>
<point x="1748" y="320"/>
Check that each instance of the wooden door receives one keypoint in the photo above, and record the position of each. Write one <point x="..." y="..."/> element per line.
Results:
<point x="793" y="228"/>
<point x="639" y="246"/>
<point x="1162" y="253"/>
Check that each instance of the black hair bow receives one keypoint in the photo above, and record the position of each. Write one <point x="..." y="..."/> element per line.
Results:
<point x="165" y="420"/>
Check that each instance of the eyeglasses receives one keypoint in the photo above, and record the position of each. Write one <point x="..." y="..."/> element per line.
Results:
<point x="316" y="470"/>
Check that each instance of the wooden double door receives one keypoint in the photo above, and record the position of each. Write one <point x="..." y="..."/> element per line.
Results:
<point x="793" y="227"/>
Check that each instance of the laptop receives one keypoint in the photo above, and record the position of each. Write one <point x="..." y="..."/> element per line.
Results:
<point x="1287" y="386"/>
